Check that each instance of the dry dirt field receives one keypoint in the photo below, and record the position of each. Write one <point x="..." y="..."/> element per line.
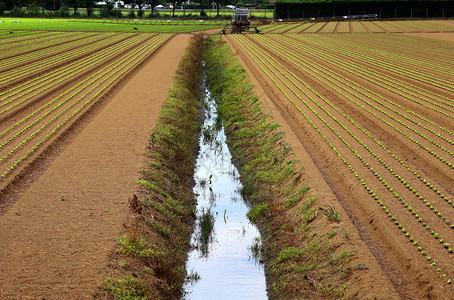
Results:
<point x="63" y="208"/>
<point x="371" y="117"/>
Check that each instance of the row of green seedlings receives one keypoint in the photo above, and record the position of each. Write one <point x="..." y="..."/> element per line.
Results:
<point x="322" y="42"/>
<point x="387" y="82"/>
<point x="25" y="36"/>
<point x="344" y="27"/>
<point x="359" y="178"/>
<point x="402" y="88"/>
<point x="27" y="67"/>
<point x="317" y="67"/>
<point x="389" y="49"/>
<point x="58" y="46"/>
<point x="357" y="27"/>
<point x="111" y="66"/>
<point x="324" y="73"/>
<point x="48" y="62"/>
<point x="402" y="57"/>
<point x="438" y="46"/>
<point x="314" y="28"/>
<point x="309" y="69"/>
<point x="38" y="42"/>
<point x="281" y="67"/>
<point x="426" y="77"/>
<point x="54" y="78"/>
<point x="389" y="52"/>
<point x="439" y="214"/>
<point x="330" y="27"/>
<point x="5" y="35"/>
<point x="342" y="65"/>
<point x="37" y="48"/>
<point x="129" y="62"/>
<point x="362" y="72"/>
<point x="283" y="28"/>
<point x="84" y="85"/>
<point x="300" y="28"/>
<point x="276" y="28"/>
<point x="429" y="150"/>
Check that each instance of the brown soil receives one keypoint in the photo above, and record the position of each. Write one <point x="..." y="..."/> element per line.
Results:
<point x="64" y="225"/>
<point x="445" y="36"/>
<point x="396" y="269"/>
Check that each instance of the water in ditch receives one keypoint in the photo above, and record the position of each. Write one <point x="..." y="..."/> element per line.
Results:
<point x="224" y="262"/>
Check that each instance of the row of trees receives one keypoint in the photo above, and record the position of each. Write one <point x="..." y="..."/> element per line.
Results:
<point x="15" y="6"/>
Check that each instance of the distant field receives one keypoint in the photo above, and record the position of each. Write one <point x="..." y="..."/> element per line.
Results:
<point x="110" y="25"/>
<point x="359" y="27"/>
<point x="260" y="13"/>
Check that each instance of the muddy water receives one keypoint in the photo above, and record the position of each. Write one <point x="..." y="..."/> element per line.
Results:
<point x="222" y="264"/>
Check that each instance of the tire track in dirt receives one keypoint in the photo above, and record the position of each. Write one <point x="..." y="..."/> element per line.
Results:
<point x="64" y="225"/>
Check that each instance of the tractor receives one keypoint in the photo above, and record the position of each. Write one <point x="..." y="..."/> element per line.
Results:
<point x="240" y="23"/>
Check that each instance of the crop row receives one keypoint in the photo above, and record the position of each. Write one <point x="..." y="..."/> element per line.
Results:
<point x="22" y="93"/>
<point x="340" y="84"/>
<point x="25" y="39"/>
<point x="49" y="62"/>
<point x="433" y="141"/>
<point x="70" y="42"/>
<point x="358" y="27"/>
<point x="323" y="76"/>
<point x="395" y="85"/>
<point x="424" y="76"/>
<point x="33" y="44"/>
<point x="5" y="35"/>
<point x="406" y="48"/>
<point x="287" y="82"/>
<point x="387" y="51"/>
<point x="81" y="95"/>
<point x="57" y="46"/>
<point x="112" y="25"/>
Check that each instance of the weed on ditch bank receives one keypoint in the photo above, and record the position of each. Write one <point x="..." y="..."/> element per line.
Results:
<point x="301" y="259"/>
<point x="149" y="262"/>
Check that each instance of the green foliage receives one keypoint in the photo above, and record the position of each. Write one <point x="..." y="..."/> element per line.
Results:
<point x="289" y="254"/>
<point x="331" y="213"/>
<point x="64" y="11"/>
<point x="135" y="246"/>
<point x="127" y="288"/>
<point x="258" y="211"/>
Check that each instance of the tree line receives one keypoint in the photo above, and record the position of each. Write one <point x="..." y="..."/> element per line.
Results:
<point x="62" y="7"/>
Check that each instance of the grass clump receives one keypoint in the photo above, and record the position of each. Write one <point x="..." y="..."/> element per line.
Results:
<point x="255" y="213"/>
<point x="127" y="288"/>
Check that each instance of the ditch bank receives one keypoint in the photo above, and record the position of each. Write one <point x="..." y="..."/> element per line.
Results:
<point x="149" y="260"/>
<point x="310" y="249"/>
<point x="306" y="251"/>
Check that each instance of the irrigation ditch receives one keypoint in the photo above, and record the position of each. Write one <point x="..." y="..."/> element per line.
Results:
<point x="301" y="248"/>
<point x="225" y="246"/>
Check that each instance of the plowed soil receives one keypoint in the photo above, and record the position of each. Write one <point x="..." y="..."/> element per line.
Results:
<point x="60" y="228"/>
<point x="334" y="98"/>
